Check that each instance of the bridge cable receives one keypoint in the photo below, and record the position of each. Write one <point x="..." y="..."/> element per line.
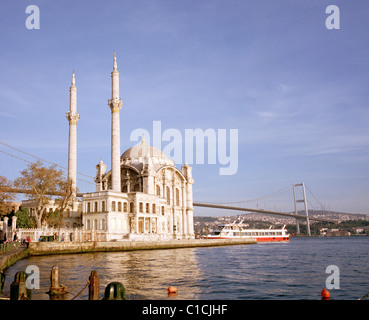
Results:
<point x="42" y="159"/>
<point x="9" y="154"/>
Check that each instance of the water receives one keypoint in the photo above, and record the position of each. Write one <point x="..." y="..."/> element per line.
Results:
<point x="294" y="270"/>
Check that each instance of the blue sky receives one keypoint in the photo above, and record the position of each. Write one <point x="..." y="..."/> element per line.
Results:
<point x="296" y="91"/>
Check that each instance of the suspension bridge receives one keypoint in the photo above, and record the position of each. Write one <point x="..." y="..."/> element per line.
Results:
<point x="299" y="195"/>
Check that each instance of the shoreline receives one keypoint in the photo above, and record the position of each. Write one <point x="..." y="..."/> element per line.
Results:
<point x="51" y="248"/>
<point x="9" y="258"/>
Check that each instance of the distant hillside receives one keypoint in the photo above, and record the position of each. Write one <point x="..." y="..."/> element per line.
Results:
<point x="264" y="220"/>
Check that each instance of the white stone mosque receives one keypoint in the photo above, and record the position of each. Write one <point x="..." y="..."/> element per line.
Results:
<point x="143" y="197"/>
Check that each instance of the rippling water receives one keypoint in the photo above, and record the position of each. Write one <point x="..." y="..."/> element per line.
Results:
<point x="294" y="270"/>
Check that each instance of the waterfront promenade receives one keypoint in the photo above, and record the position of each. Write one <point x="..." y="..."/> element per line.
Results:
<point x="49" y="248"/>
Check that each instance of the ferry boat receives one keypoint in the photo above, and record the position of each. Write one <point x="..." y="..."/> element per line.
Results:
<point x="241" y="230"/>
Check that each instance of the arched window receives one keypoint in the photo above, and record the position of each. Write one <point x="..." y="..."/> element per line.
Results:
<point x="113" y="206"/>
<point x="147" y="207"/>
<point x="141" y="207"/>
<point x="125" y="206"/>
<point x="168" y="195"/>
<point x="88" y="207"/>
<point x="153" y="208"/>
<point x="95" y="207"/>
<point x="158" y="190"/>
<point x="162" y="210"/>
<point x="120" y="206"/>
<point x="177" y="197"/>
<point x="103" y="206"/>
<point x="131" y="207"/>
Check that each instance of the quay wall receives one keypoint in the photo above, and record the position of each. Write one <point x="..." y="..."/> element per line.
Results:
<point x="47" y="248"/>
<point x="9" y="258"/>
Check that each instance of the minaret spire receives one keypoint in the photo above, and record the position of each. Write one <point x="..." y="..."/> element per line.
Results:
<point x="115" y="104"/>
<point x="115" y="62"/>
<point x="72" y="117"/>
<point x="73" y="79"/>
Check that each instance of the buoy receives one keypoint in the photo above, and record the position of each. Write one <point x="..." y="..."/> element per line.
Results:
<point x="325" y="294"/>
<point x="172" y="289"/>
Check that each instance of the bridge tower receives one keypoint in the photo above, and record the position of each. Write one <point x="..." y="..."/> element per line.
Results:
<point x="296" y="201"/>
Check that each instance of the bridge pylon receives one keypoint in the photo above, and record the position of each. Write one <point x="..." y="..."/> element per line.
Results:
<point x="296" y="201"/>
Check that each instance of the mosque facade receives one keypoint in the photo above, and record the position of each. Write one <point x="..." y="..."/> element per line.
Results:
<point x="144" y="196"/>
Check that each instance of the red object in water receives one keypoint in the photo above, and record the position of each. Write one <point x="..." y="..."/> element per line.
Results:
<point x="325" y="294"/>
<point x="172" y="289"/>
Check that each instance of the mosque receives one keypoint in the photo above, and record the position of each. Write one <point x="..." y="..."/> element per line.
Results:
<point x="143" y="197"/>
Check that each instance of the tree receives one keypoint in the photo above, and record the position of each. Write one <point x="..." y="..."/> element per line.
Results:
<point x="23" y="219"/>
<point x="5" y="197"/>
<point x="44" y="185"/>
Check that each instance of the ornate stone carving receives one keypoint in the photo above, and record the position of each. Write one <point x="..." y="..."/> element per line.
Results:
<point x="72" y="117"/>
<point x="115" y="104"/>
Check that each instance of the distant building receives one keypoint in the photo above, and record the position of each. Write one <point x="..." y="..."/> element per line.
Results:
<point x="337" y="233"/>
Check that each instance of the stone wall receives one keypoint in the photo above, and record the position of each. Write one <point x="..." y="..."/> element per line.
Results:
<point x="46" y="248"/>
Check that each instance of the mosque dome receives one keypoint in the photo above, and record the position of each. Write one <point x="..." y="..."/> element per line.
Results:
<point x="141" y="152"/>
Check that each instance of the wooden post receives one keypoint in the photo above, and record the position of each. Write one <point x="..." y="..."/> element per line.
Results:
<point x="94" y="286"/>
<point x="57" y="291"/>
<point x="18" y="288"/>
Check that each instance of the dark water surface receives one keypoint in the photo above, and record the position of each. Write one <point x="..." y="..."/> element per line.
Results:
<point x="294" y="270"/>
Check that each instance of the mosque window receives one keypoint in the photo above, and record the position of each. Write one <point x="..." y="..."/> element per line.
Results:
<point x="168" y="195"/>
<point x="177" y="197"/>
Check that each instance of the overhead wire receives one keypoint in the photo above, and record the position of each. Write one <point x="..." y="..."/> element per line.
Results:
<point x="43" y="160"/>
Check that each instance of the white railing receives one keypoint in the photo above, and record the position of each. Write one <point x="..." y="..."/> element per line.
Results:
<point x="61" y="235"/>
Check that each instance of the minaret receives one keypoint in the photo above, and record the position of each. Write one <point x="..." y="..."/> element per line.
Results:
<point x="73" y="118"/>
<point x="115" y="104"/>
<point x="187" y="172"/>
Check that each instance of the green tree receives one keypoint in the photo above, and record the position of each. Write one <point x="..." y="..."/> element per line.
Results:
<point x="23" y="219"/>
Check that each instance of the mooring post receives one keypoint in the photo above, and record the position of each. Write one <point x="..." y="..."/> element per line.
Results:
<point x="94" y="286"/>
<point x="2" y="280"/>
<point x="57" y="291"/>
<point x="115" y="291"/>
<point x="18" y="288"/>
